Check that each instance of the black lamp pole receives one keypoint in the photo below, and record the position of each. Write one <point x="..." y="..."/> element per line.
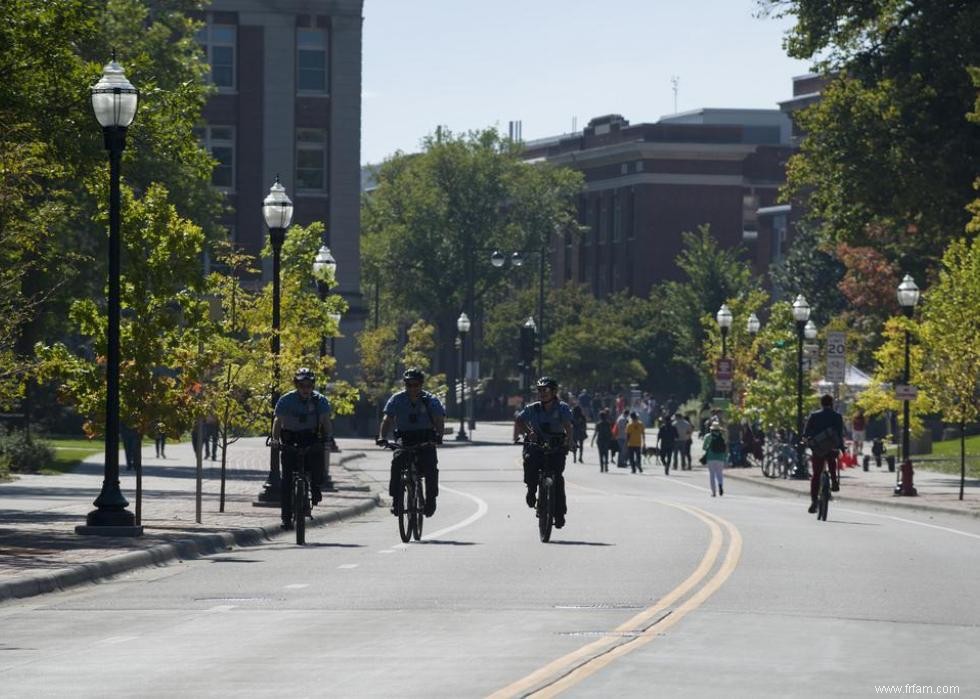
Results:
<point x="463" y="327"/>
<point x="277" y="209"/>
<point x="801" y="314"/>
<point x="114" y="100"/>
<point x="908" y="296"/>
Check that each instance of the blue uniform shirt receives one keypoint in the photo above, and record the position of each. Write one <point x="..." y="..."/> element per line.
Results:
<point x="298" y="415"/>
<point x="549" y="423"/>
<point x="411" y="416"/>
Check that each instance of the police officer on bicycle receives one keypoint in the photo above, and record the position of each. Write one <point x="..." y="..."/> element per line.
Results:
<point x="548" y="422"/>
<point x="418" y="417"/>
<point x="302" y="419"/>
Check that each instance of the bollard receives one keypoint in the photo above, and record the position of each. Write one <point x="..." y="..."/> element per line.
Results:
<point x="866" y="462"/>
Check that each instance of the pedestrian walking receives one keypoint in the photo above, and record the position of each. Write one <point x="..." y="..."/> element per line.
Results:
<point x="160" y="439"/>
<point x="715" y="453"/>
<point x="621" y="422"/>
<point x="682" y="447"/>
<point x="666" y="438"/>
<point x="580" y="432"/>
<point x="211" y="437"/>
<point x="603" y="435"/>
<point x="858" y="425"/>
<point x="635" y="441"/>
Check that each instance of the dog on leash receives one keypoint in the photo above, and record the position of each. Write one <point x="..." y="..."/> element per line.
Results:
<point x="650" y="453"/>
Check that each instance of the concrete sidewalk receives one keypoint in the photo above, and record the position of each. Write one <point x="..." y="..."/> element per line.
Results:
<point x="40" y="551"/>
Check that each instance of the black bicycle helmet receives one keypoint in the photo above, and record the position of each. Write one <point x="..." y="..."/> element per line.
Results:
<point x="549" y="382"/>
<point x="304" y="374"/>
<point x="413" y="375"/>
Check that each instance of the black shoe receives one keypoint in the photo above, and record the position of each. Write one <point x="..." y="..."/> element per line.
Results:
<point x="317" y="495"/>
<point x="835" y="487"/>
<point x="531" y="499"/>
<point x="721" y="491"/>
<point x="396" y="508"/>
<point x="813" y="508"/>
<point x="430" y="509"/>
<point x="559" y="522"/>
<point x="287" y="526"/>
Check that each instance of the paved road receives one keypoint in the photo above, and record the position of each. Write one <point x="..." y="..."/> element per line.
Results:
<point x="653" y="587"/>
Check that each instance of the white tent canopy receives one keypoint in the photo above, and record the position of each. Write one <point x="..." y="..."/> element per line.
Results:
<point x="853" y="378"/>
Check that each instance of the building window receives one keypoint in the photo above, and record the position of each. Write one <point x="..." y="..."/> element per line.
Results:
<point x="639" y="166"/>
<point x="624" y="169"/>
<point x="311" y="60"/>
<point x="219" y="42"/>
<point x="311" y="159"/>
<point x="568" y="256"/>
<point x="631" y="214"/>
<point x="219" y="141"/>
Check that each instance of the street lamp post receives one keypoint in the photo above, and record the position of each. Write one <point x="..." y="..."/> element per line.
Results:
<point x="325" y="269"/>
<point x="528" y="332"/>
<point x="114" y="100"/>
<point x="463" y="326"/>
<point x="517" y="259"/>
<point x="724" y="318"/>
<point x="753" y="325"/>
<point x="801" y="314"/>
<point x="908" y="297"/>
<point x="277" y="210"/>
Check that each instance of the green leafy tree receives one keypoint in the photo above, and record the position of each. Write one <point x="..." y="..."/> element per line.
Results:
<point x="713" y="276"/>
<point x="814" y="270"/>
<point x="378" y="352"/>
<point x="950" y="335"/>
<point x="436" y="216"/>
<point x="887" y="158"/>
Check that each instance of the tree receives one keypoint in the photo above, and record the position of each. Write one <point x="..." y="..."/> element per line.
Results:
<point x="436" y="216"/>
<point x="714" y="275"/>
<point x="950" y="335"/>
<point x="814" y="270"/>
<point x="887" y="159"/>
<point x="52" y="182"/>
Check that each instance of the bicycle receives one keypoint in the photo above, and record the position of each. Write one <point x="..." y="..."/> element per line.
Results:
<point x="545" y="508"/>
<point x="299" y="488"/>
<point x="778" y="455"/>
<point x="823" y="495"/>
<point x="410" y="501"/>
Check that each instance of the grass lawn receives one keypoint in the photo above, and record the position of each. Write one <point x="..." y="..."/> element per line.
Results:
<point x="68" y="453"/>
<point x="947" y="455"/>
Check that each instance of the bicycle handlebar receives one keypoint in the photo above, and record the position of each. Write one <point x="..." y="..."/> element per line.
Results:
<point x="395" y="444"/>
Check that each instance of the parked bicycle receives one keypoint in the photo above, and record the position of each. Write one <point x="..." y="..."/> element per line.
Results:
<point x="778" y="454"/>
<point x="299" y="489"/>
<point x="410" y="500"/>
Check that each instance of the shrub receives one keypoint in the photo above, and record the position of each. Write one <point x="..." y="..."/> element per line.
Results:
<point x="20" y="456"/>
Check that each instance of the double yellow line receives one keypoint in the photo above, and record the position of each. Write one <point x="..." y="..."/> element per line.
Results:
<point x="570" y="669"/>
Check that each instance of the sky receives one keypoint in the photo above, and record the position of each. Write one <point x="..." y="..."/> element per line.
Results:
<point x="471" y="64"/>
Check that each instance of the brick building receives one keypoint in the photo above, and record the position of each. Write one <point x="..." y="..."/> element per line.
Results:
<point x="646" y="184"/>
<point x="288" y="102"/>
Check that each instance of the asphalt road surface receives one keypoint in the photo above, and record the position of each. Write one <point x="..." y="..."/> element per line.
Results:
<point x="653" y="588"/>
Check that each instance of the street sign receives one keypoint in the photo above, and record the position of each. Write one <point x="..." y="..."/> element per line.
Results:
<point x="723" y="384"/>
<point x="724" y="368"/>
<point x="905" y="392"/>
<point x="836" y="357"/>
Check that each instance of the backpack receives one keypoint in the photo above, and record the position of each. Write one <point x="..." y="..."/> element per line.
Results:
<point x="717" y="443"/>
<point x="824" y="442"/>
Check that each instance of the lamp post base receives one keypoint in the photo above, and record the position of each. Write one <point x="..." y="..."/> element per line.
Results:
<point x="906" y="488"/>
<point x="106" y="522"/>
<point x="461" y="435"/>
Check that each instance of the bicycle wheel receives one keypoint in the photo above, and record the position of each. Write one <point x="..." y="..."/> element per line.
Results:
<point x="823" y="497"/>
<point x="546" y="508"/>
<point x="299" y="509"/>
<point x="405" y="496"/>
<point x="419" y="508"/>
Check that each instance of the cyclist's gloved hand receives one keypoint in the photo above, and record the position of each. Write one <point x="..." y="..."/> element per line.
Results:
<point x="381" y="442"/>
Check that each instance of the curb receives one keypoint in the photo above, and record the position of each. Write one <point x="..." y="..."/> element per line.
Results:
<point x="192" y="546"/>
<point x="904" y="504"/>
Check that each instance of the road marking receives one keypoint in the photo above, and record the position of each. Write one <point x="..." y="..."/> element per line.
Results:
<point x="296" y="586"/>
<point x="112" y="640"/>
<point x="481" y="509"/>
<point x="221" y="608"/>
<point x="911" y="521"/>
<point x="387" y="551"/>
<point x="348" y="566"/>
<point x="637" y="631"/>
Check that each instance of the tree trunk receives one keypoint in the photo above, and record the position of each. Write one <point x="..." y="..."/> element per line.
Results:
<point x="962" y="457"/>
<point x="138" y="465"/>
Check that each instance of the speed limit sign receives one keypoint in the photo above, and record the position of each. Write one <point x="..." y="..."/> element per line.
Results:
<point x="836" y="357"/>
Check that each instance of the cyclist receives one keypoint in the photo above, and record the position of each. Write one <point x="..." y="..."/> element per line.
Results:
<point x="824" y="432"/>
<point x="549" y="423"/>
<point x="417" y="416"/>
<point x="302" y="418"/>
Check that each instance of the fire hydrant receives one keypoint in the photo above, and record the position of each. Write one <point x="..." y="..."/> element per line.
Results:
<point x="906" y="487"/>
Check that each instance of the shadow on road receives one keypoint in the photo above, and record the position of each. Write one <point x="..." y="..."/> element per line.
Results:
<point x="582" y="543"/>
<point x="447" y="542"/>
